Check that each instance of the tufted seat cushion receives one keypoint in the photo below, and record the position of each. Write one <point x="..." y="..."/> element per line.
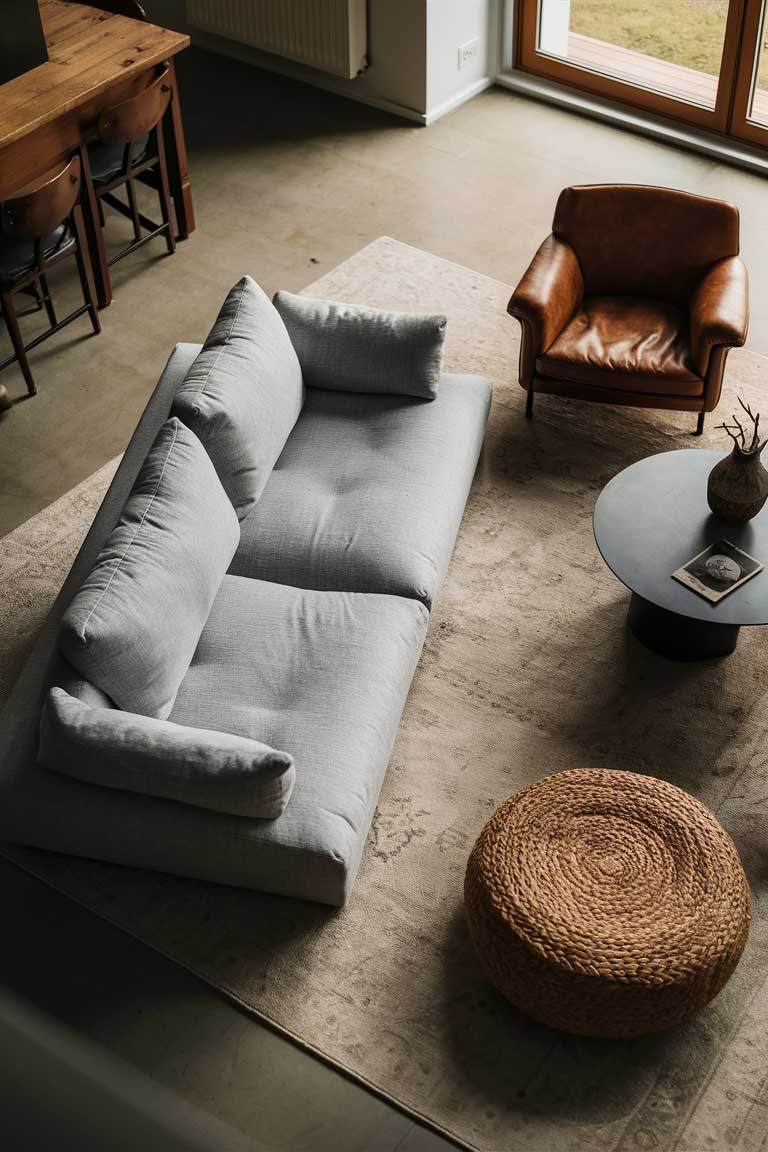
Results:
<point x="369" y="491"/>
<point x="322" y="675"/>
<point x="627" y="344"/>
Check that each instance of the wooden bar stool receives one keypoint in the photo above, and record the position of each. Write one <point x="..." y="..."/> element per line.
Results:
<point x="131" y="149"/>
<point x="38" y="229"/>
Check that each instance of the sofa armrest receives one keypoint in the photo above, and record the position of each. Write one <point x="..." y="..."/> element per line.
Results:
<point x="545" y="300"/>
<point x="197" y="766"/>
<point x="719" y="311"/>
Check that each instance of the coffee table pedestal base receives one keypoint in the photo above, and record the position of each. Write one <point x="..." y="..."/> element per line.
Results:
<point x="678" y="637"/>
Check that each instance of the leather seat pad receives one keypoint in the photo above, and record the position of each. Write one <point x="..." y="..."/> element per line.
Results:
<point x="627" y="344"/>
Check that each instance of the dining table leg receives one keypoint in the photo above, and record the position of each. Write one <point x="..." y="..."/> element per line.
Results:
<point x="178" y="169"/>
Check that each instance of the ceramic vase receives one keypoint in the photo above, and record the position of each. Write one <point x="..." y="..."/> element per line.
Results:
<point x="738" y="486"/>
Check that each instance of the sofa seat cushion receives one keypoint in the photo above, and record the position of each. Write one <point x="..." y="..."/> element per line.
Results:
<point x="369" y="492"/>
<point x="626" y="344"/>
<point x="134" y="623"/>
<point x="243" y="394"/>
<point x="321" y="675"/>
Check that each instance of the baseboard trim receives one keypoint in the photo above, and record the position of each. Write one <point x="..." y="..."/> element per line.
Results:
<point x="458" y="99"/>
<point x="258" y="59"/>
<point x="706" y="143"/>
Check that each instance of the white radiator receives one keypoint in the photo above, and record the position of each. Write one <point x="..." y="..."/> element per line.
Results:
<point x="327" y="34"/>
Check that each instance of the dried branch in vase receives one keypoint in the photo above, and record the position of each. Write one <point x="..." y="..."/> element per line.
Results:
<point x="738" y="484"/>
<point x="738" y="434"/>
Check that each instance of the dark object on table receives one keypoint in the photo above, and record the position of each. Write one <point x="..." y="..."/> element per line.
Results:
<point x="649" y="521"/>
<point x="22" y="42"/>
<point x="718" y="570"/>
<point x="606" y="903"/>
<point x="634" y="299"/>
<point x="129" y="8"/>
<point x="738" y="486"/>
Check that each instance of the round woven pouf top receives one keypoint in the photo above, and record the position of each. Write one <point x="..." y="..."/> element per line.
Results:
<point x="606" y="903"/>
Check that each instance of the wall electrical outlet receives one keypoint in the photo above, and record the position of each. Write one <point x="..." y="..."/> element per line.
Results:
<point x="469" y="52"/>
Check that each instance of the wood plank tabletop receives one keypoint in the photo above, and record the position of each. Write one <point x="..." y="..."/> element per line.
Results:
<point x="89" y="52"/>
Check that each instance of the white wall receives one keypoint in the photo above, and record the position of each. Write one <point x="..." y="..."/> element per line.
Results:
<point x="451" y="24"/>
<point x="412" y="47"/>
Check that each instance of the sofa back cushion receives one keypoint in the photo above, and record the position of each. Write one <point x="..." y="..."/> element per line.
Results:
<point x="352" y="348"/>
<point x="208" y="769"/>
<point x="133" y="626"/>
<point x="244" y="392"/>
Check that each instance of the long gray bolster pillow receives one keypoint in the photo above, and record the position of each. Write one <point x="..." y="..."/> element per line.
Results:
<point x="196" y="766"/>
<point x="352" y="348"/>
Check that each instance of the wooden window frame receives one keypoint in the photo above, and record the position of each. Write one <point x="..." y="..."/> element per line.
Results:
<point x="740" y="125"/>
<point x="731" y="81"/>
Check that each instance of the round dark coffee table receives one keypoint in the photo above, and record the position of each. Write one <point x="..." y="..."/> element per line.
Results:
<point x="650" y="520"/>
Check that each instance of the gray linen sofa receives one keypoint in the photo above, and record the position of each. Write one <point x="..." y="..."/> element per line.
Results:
<point x="349" y="504"/>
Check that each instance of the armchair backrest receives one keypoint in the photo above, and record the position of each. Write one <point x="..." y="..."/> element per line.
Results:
<point x="634" y="240"/>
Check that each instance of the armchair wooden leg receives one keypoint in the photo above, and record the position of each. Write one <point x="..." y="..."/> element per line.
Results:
<point x="699" y="425"/>
<point x="529" y="404"/>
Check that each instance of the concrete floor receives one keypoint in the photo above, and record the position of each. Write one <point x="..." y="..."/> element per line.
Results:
<point x="287" y="182"/>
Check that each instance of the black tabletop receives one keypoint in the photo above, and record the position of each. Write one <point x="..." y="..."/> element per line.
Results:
<point x="653" y="517"/>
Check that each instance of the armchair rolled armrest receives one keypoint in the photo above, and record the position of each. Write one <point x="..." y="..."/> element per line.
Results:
<point x="719" y="311"/>
<point x="545" y="300"/>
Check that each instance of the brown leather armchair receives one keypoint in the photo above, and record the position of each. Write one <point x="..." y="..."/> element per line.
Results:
<point x="635" y="298"/>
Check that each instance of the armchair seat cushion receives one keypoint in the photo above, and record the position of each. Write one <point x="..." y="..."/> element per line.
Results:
<point x="625" y="343"/>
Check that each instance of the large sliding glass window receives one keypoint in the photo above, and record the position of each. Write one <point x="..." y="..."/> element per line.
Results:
<point x="701" y="61"/>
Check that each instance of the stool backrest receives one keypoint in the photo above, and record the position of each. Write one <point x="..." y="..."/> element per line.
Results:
<point x="138" y="115"/>
<point x="41" y="209"/>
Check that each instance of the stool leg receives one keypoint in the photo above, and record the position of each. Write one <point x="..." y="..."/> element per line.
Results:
<point x="48" y="301"/>
<point x="94" y="231"/>
<point x="130" y="189"/>
<point x="83" y="257"/>
<point x="9" y="311"/>
<point x="164" y="190"/>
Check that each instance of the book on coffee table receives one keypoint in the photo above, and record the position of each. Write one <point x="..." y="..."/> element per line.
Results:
<point x="718" y="570"/>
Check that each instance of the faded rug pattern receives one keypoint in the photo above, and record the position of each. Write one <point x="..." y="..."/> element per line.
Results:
<point x="528" y="669"/>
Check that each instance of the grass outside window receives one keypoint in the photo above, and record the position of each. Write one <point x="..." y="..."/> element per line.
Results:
<point x="685" y="32"/>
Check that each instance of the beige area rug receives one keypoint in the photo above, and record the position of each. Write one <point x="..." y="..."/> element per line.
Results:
<point x="528" y="669"/>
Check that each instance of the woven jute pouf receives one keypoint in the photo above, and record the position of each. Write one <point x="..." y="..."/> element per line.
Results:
<point x="606" y="903"/>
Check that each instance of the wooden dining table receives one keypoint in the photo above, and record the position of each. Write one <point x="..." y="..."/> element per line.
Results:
<point x="95" y="59"/>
